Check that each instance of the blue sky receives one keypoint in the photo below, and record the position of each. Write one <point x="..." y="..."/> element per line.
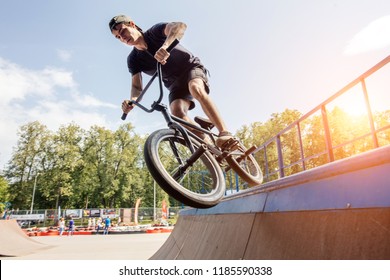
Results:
<point x="60" y="64"/>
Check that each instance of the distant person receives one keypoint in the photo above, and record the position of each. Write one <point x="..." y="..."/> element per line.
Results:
<point x="98" y="225"/>
<point x="71" y="227"/>
<point x="89" y="223"/>
<point x="107" y="224"/>
<point x="93" y="223"/>
<point x="61" y="225"/>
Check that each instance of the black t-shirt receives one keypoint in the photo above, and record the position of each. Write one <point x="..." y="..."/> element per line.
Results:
<point x="179" y="62"/>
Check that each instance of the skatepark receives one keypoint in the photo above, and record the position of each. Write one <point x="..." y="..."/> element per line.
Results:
<point x="337" y="211"/>
<point x="16" y="245"/>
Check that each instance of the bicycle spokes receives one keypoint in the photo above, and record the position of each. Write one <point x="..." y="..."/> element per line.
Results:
<point x="189" y="162"/>
<point x="187" y="169"/>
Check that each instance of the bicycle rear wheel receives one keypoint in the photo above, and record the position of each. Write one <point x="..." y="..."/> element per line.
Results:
<point x="247" y="168"/>
<point x="201" y="185"/>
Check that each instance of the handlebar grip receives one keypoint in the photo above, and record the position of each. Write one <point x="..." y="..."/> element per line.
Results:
<point x="124" y="115"/>
<point x="172" y="45"/>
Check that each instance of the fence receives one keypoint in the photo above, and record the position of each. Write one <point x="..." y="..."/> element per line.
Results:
<point x="49" y="217"/>
<point x="278" y="167"/>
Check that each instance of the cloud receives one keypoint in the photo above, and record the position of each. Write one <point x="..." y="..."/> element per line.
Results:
<point x="64" y="55"/>
<point x="50" y="96"/>
<point x="17" y="83"/>
<point x="88" y="100"/>
<point x="374" y="36"/>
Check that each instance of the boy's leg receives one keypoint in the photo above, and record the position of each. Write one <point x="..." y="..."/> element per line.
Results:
<point x="179" y="108"/>
<point x="198" y="91"/>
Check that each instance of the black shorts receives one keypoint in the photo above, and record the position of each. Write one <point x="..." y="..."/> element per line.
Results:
<point x="180" y="90"/>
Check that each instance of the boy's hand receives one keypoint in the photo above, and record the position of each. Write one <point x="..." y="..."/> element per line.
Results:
<point x="162" y="55"/>
<point x="126" y="107"/>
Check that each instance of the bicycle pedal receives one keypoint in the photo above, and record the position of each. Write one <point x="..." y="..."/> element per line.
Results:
<point x="230" y="145"/>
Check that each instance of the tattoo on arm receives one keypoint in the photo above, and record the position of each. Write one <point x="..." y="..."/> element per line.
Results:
<point x="174" y="30"/>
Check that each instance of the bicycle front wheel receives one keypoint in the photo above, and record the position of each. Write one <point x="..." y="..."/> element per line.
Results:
<point x="200" y="184"/>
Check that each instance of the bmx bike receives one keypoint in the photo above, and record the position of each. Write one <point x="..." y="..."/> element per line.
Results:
<point x="187" y="167"/>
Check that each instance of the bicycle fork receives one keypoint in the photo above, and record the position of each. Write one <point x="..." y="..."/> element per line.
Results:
<point x="183" y="170"/>
<point x="196" y="153"/>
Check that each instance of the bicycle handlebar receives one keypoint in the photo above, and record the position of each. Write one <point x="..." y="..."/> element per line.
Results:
<point x="131" y="102"/>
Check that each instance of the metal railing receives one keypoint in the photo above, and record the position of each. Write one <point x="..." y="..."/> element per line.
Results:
<point x="276" y="142"/>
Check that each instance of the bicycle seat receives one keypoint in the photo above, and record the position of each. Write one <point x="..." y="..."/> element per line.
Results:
<point x="204" y="123"/>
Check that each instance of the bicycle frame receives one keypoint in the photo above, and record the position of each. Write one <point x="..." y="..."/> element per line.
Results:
<point x="171" y="120"/>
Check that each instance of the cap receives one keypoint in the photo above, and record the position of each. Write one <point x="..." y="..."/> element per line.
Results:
<point x="117" y="20"/>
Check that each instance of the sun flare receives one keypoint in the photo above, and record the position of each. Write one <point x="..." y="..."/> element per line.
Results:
<point x="352" y="103"/>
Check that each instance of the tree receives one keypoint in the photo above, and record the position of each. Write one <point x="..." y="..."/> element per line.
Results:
<point x="100" y="168"/>
<point x="382" y="119"/>
<point x="4" y="193"/>
<point x="113" y="175"/>
<point x="129" y="166"/>
<point x="23" y="166"/>
<point x="61" y="166"/>
<point x="259" y="133"/>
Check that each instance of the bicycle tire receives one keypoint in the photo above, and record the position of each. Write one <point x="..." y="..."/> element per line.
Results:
<point x="248" y="169"/>
<point x="202" y="187"/>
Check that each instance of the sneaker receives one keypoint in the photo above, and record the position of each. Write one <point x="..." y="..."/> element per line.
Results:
<point x="223" y="138"/>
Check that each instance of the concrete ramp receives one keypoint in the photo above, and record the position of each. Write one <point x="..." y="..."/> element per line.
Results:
<point x="14" y="242"/>
<point x="337" y="211"/>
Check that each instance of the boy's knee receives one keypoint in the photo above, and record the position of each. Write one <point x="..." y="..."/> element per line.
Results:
<point x="197" y="89"/>
<point x="179" y="108"/>
<point x="178" y="111"/>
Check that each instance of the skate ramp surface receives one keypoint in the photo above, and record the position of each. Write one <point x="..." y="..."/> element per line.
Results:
<point x="14" y="242"/>
<point x="337" y="211"/>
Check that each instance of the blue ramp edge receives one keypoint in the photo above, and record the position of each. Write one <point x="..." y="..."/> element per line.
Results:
<point x="361" y="181"/>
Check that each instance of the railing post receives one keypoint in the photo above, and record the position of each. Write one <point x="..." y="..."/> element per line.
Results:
<point x="237" y="184"/>
<point x="328" y="138"/>
<point x="301" y="145"/>
<point x="280" y="156"/>
<point x="266" y="162"/>
<point x="369" y="113"/>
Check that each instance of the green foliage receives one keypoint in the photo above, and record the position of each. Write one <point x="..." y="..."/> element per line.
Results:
<point x="259" y="133"/>
<point x="100" y="168"/>
<point x="344" y="130"/>
<point x="74" y="168"/>
<point x="23" y="166"/>
<point x="4" y="193"/>
<point x="4" y="190"/>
